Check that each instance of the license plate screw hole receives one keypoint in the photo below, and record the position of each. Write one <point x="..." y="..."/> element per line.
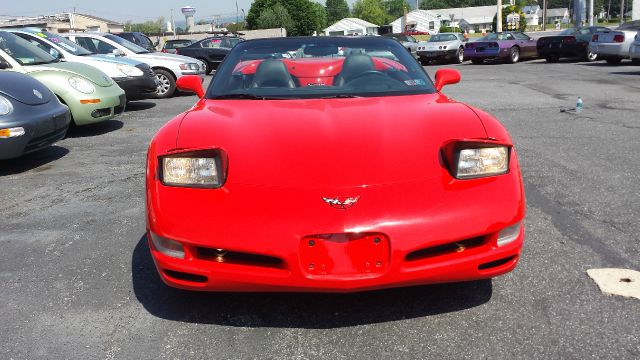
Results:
<point x="311" y="242"/>
<point x="376" y="240"/>
<point x="378" y="263"/>
<point x="311" y="266"/>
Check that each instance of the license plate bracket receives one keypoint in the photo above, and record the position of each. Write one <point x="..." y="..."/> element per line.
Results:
<point x="345" y="254"/>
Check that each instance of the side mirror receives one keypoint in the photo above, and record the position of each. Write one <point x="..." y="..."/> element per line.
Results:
<point x="118" y="52"/>
<point x="191" y="83"/>
<point x="446" y="77"/>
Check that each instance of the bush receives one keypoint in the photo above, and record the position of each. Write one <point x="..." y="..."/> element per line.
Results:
<point x="445" y="29"/>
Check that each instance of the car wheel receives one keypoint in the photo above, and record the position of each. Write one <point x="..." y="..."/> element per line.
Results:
<point x="591" y="56"/>
<point x="514" y="55"/>
<point x="460" y="56"/>
<point x="614" y="60"/>
<point x="166" y="84"/>
<point x="552" y="59"/>
<point x="476" y="61"/>
<point x="207" y="66"/>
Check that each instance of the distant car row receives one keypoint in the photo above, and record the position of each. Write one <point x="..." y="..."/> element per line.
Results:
<point x="587" y="43"/>
<point x="49" y="82"/>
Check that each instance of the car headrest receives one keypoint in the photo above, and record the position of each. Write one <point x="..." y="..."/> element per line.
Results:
<point x="272" y="73"/>
<point x="353" y="66"/>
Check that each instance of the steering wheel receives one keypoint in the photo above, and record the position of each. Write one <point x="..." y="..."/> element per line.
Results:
<point x="374" y="73"/>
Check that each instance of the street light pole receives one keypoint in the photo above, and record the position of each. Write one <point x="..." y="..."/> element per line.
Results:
<point x="499" y="17"/>
<point x="590" y="12"/>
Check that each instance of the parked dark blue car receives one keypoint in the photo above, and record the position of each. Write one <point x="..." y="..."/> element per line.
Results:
<point x="31" y="116"/>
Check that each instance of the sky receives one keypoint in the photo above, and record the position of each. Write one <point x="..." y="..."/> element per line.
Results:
<point x="123" y="10"/>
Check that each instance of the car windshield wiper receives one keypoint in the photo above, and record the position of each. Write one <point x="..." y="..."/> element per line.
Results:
<point x="341" y="96"/>
<point x="245" y="96"/>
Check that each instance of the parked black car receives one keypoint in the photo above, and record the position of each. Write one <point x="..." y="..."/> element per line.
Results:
<point x="570" y="43"/>
<point x="210" y="50"/>
<point x="170" y="46"/>
<point x="139" y="39"/>
<point x="31" y="116"/>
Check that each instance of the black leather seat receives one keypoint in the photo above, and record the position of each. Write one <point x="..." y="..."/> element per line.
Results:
<point x="272" y="73"/>
<point x="353" y="66"/>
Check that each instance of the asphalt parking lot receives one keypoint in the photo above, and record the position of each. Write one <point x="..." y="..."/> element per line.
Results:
<point x="78" y="282"/>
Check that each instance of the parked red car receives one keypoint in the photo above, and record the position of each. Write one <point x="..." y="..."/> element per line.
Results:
<point x="303" y="168"/>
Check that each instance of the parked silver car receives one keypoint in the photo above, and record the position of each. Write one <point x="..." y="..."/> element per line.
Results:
<point x="614" y="45"/>
<point x="443" y="46"/>
<point x="409" y="42"/>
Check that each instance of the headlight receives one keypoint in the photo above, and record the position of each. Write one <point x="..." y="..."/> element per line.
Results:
<point x="129" y="70"/>
<point x="192" y="170"/>
<point x="81" y="85"/>
<point x="485" y="161"/>
<point x="189" y="66"/>
<point x="5" y="106"/>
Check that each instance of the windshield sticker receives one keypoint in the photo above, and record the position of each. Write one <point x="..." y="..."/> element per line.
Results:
<point x="415" y="82"/>
<point x="41" y="35"/>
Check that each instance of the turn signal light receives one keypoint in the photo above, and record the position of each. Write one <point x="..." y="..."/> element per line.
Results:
<point x="11" y="132"/>
<point x="90" y="101"/>
<point x="618" y="38"/>
<point x="594" y="38"/>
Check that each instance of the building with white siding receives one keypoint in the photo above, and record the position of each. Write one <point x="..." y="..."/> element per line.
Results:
<point x="351" y="26"/>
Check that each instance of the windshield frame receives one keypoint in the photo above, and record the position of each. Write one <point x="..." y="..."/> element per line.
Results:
<point x="35" y="51"/>
<point x="219" y="86"/>
<point x="46" y="36"/>
<point x="126" y="44"/>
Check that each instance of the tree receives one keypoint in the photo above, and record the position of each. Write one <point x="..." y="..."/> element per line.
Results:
<point x="147" y="27"/>
<point x="336" y="10"/>
<point x="301" y="12"/>
<point x="395" y="8"/>
<point x="275" y="17"/>
<point x="319" y="16"/>
<point x="371" y="10"/>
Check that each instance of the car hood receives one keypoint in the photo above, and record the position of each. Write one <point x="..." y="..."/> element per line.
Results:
<point x="24" y="89"/>
<point x="114" y="60"/>
<point x="330" y="143"/>
<point x="170" y="57"/>
<point x="436" y="45"/>
<point x="74" y="69"/>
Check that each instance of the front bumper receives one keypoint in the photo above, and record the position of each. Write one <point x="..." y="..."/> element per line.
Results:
<point x="437" y="54"/>
<point x="433" y="231"/>
<point x="112" y="101"/>
<point x="485" y="54"/>
<point x="44" y="125"/>
<point x="139" y="87"/>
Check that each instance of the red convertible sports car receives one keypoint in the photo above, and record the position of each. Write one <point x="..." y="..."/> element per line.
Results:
<point x="330" y="164"/>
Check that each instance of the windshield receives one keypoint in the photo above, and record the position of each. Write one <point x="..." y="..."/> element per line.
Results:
<point x="177" y="44"/>
<point x="568" y="32"/>
<point x="319" y="67"/>
<point x="442" y="37"/>
<point x="64" y="43"/>
<point x="23" y="51"/>
<point x="128" y="44"/>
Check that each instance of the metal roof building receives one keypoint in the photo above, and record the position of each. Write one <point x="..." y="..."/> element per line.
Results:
<point x="418" y="20"/>
<point x="352" y="26"/>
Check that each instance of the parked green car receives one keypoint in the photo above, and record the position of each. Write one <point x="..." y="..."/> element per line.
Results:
<point x="90" y="94"/>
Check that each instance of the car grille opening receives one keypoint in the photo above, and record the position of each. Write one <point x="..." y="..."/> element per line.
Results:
<point x="449" y="248"/>
<point x="239" y="258"/>
<point x="178" y="275"/>
<point x="496" y="263"/>
<point x="101" y="113"/>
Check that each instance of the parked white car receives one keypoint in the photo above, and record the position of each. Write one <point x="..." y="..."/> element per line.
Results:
<point x="634" y="49"/>
<point x="136" y="78"/>
<point x="167" y="67"/>
<point x="614" y="45"/>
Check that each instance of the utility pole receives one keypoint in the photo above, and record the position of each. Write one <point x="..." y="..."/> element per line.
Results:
<point x="499" y="17"/>
<point x="590" y="12"/>
<point x="173" y="26"/>
<point x="621" y="12"/>
<point x="237" y="13"/>
<point x="544" y="15"/>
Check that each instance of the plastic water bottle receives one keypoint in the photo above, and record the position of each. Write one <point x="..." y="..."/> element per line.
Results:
<point x="579" y="105"/>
